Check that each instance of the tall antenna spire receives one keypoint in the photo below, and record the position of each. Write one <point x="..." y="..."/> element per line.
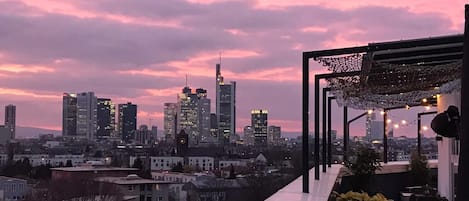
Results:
<point x="186" y="80"/>
<point x="220" y="57"/>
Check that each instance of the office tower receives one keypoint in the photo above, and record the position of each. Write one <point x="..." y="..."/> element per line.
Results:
<point x="69" y="115"/>
<point x="203" y="111"/>
<point x="86" y="115"/>
<point x="273" y="135"/>
<point x="259" y="127"/>
<point x="10" y="120"/>
<point x="142" y="135"/>
<point x="106" y="120"/>
<point x="170" y="121"/>
<point x="154" y="133"/>
<point x="188" y="115"/>
<point x="127" y="125"/>
<point x="225" y="106"/>
<point x="248" y="135"/>
<point x="214" y="126"/>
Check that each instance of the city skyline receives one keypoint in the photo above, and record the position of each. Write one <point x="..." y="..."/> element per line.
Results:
<point x="143" y="56"/>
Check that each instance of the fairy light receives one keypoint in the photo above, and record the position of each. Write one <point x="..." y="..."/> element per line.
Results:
<point x="370" y="111"/>
<point x="403" y="122"/>
<point x="382" y="112"/>
<point x="424" y="100"/>
<point x="424" y="128"/>
<point x="396" y="125"/>
<point x="388" y="121"/>
<point x="428" y="107"/>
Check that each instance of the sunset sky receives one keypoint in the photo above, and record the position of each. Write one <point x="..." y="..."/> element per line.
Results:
<point x="141" y="50"/>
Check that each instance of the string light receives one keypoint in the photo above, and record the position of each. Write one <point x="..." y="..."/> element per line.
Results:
<point x="424" y="100"/>
<point x="388" y="121"/>
<point x="382" y="112"/>
<point x="396" y="125"/>
<point x="407" y="107"/>
<point x="370" y="111"/>
<point x="428" y="107"/>
<point x="404" y="122"/>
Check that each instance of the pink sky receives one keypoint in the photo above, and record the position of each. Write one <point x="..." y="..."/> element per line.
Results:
<point x="140" y="51"/>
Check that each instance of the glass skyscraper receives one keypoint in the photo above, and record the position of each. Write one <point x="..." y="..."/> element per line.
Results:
<point x="106" y="120"/>
<point x="10" y="120"/>
<point x="226" y="107"/>
<point x="127" y="121"/>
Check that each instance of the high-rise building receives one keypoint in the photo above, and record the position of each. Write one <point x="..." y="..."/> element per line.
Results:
<point x="154" y="133"/>
<point x="248" y="136"/>
<point x="106" y="118"/>
<point x="127" y="117"/>
<point x="259" y="127"/>
<point x="69" y="115"/>
<point x="143" y="135"/>
<point x="214" y="126"/>
<point x="203" y="110"/>
<point x="273" y="135"/>
<point x="10" y="120"/>
<point x="188" y="115"/>
<point x="170" y="121"/>
<point x="226" y="107"/>
<point x="86" y="115"/>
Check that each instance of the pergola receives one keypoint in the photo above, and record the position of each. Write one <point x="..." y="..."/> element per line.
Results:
<point x="384" y="76"/>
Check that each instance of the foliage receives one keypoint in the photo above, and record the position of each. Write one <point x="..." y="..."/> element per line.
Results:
<point x="366" y="161"/>
<point x="364" y="164"/>
<point x="419" y="171"/>
<point x="355" y="196"/>
<point x="178" y="168"/>
<point x="138" y="164"/>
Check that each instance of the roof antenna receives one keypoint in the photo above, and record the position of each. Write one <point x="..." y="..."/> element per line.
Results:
<point x="220" y="57"/>
<point x="186" y="80"/>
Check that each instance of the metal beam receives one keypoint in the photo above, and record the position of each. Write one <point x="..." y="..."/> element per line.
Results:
<point x="329" y="131"/>
<point x="419" y="130"/>
<point x="305" y="121"/>
<point x="324" y="130"/>
<point x="316" y="127"/>
<point x="385" y="136"/>
<point x="345" y="159"/>
<point x="463" y="169"/>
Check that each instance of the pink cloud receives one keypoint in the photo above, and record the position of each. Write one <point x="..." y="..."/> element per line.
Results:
<point x="17" y="68"/>
<point x="164" y="92"/>
<point x="236" y="32"/>
<point x="68" y="8"/>
<point x="30" y="94"/>
<point x="314" y="29"/>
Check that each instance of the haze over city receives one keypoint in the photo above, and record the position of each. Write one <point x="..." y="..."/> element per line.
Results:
<point x="142" y="51"/>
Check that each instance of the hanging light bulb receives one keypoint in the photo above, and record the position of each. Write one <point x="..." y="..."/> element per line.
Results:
<point x="424" y="100"/>
<point x="428" y="107"/>
<point x="403" y="122"/>
<point x="424" y="128"/>
<point x="370" y="111"/>
<point x="388" y="121"/>
<point x="382" y="112"/>
<point x="396" y="125"/>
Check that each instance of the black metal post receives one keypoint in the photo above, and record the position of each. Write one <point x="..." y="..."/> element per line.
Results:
<point x="345" y="159"/>
<point x="385" y="136"/>
<point x="305" y="139"/>
<point x="463" y="177"/>
<point x="329" y="131"/>
<point x="316" y="127"/>
<point x="324" y="146"/>
<point x="419" y="130"/>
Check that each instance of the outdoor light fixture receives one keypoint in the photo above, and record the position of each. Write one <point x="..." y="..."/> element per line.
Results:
<point x="447" y="123"/>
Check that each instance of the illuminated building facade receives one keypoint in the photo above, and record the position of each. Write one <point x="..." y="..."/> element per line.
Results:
<point x="259" y="127"/>
<point x="170" y="121"/>
<point x="106" y="120"/>
<point x="10" y="120"/>
<point x="127" y="117"/>
<point x="226" y="107"/>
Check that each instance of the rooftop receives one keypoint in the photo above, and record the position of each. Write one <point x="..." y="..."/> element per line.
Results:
<point x="92" y="168"/>
<point x="130" y="179"/>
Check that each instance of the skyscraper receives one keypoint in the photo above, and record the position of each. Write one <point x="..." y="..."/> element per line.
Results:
<point x="248" y="135"/>
<point x="188" y="115"/>
<point x="203" y="111"/>
<point x="69" y="115"/>
<point x="273" y="135"/>
<point x="86" y="115"/>
<point x="259" y="127"/>
<point x="106" y="118"/>
<point x="170" y="121"/>
<point x="226" y="107"/>
<point x="10" y="120"/>
<point x="127" y="121"/>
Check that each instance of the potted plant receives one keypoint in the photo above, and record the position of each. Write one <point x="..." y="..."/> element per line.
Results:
<point x="363" y="165"/>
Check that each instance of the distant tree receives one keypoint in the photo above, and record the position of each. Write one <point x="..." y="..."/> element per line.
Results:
<point x="116" y="162"/>
<point x="69" y="163"/>
<point x="178" y="168"/>
<point x="232" y="172"/>
<point x="363" y="166"/>
<point x="138" y="163"/>
<point x="419" y="171"/>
